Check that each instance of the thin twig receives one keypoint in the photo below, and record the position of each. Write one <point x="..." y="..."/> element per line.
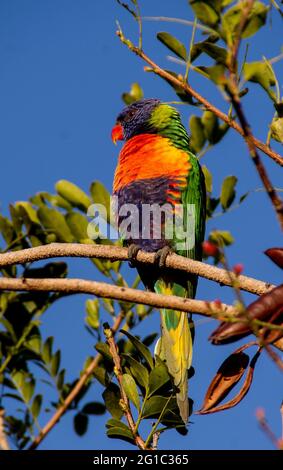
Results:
<point x="75" y="391"/>
<point x="272" y="354"/>
<point x="119" y="374"/>
<point x="191" y="92"/>
<point x="168" y="19"/>
<point x="4" y="445"/>
<point x="260" y="415"/>
<point x="125" y="294"/>
<point x="247" y="7"/>
<point x="115" y="253"/>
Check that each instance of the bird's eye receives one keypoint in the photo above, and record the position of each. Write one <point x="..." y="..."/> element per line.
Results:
<point x="129" y="115"/>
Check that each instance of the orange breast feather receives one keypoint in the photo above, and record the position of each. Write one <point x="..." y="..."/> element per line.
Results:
<point x="150" y="156"/>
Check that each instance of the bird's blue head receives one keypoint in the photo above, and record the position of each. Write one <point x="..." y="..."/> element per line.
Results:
<point x="134" y="119"/>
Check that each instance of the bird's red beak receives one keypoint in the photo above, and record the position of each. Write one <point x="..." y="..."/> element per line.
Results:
<point x="117" y="133"/>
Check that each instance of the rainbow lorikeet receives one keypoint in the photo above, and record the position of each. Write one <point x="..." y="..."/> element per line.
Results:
<point x="156" y="166"/>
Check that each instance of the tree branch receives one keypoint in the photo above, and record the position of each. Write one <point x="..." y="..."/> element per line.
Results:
<point x="109" y="291"/>
<point x="191" y="92"/>
<point x="75" y="391"/>
<point x="233" y="91"/>
<point x="115" y="253"/>
<point x="119" y="374"/>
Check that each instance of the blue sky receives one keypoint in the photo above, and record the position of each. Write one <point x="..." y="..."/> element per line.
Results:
<point x="62" y="74"/>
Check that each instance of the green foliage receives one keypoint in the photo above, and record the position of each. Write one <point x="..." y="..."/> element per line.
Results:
<point x="205" y="129"/>
<point x="149" y="388"/>
<point x="232" y="17"/>
<point x="207" y="11"/>
<point x="228" y="192"/>
<point x="73" y="194"/>
<point x="173" y="44"/>
<point x="277" y="129"/>
<point x="135" y="94"/>
<point x="263" y="74"/>
<point x="43" y="219"/>
<point x="131" y="390"/>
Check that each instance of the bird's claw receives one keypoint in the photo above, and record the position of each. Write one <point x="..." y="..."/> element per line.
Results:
<point x="132" y="254"/>
<point x="161" y="255"/>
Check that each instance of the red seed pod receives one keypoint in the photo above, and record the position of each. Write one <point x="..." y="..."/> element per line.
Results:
<point x="209" y="248"/>
<point x="238" y="269"/>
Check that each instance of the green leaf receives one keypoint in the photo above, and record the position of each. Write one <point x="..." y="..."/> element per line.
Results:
<point x="140" y="347"/>
<point x="131" y="390"/>
<point x="198" y="48"/>
<point x="173" y="44"/>
<point x="47" y="349"/>
<point x="116" y="424"/>
<point x="221" y="131"/>
<point x="210" y="124"/>
<point x="103" y="349"/>
<point x="100" y="195"/>
<point x="232" y="18"/>
<point x="54" y="221"/>
<point x="30" y="219"/>
<point x="206" y="11"/>
<point x="58" y="201"/>
<point x="263" y="74"/>
<point x="55" y="363"/>
<point x="112" y="397"/>
<point x="4" y="302"/>
<point x="158" y="377"/>
<point x="219" y="54"/>
<point x="121" y="433"/>
<point x="73" y="194"/>
<point x="228" y="192"/>
<point x="28" y="389"/>
<point x="139" y="372"/>
<point x="243" y="197"/>
<point x="80" y="423"/>
<point x="277" y="129"/>
<point x="94" y="408"/>
<point x="135" y="94"/>
<point x="198" y="138"/>
<point x="6" y="229"/>
<point x="208" y="178"/>
<point x="221" y="237"/>
<point x="18" y="377"/>
<point x="92" y="308"/>
<point x="34" y="342"/>
<point x="77" y="224"/>
<point x="154" y="406"/>
<point x="16" y="218"/>
<point x="101" y="375"/>
<point x="36" y="406"/>
<point x="61" y="379"/>
<point x="215" y="73"/>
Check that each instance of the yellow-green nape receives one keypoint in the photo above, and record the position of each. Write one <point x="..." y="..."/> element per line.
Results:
<point x="162" y="115"/>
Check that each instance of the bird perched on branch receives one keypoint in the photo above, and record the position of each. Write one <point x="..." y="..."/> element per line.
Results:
<point x="156" y="169"/>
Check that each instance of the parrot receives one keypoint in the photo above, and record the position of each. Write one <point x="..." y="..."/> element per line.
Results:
<point x="156" y="165"/>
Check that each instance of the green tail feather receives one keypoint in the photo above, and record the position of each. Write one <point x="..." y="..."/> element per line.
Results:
<point x="175" y="346"/>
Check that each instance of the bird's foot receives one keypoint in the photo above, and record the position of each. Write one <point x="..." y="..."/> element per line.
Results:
<point x="161" y="255"/>
<point x="132" y="254"/>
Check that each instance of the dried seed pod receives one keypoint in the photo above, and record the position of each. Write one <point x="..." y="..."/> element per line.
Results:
<point x="263" y="309"/>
